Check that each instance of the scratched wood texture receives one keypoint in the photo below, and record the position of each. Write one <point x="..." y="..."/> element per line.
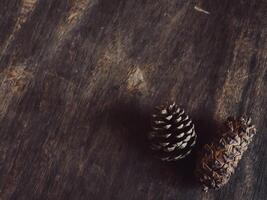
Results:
<point x="79" y="78"/>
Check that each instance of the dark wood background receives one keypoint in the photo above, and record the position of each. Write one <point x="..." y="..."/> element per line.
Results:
<point x="78" y="80"/>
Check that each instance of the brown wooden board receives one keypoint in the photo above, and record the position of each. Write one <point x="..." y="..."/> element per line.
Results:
<point x="79" y="78"/>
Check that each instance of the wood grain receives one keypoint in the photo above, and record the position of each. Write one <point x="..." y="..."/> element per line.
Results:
<point x="78" y="80"/>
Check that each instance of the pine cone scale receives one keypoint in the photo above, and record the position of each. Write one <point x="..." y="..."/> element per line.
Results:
<point x="220" y="159"/>
<point x="173" y="134"/>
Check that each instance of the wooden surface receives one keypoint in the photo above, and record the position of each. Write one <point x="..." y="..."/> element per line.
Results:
<point x="78" y="79"/>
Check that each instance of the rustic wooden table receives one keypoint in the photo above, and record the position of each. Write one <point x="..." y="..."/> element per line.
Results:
<point x="78" y="79"/>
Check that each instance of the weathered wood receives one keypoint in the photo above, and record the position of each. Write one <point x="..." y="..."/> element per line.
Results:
<point x="78" y="79"/>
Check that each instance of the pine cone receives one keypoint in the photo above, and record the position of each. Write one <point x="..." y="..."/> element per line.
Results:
<point x="220" y="158"/>
<point x="173" y="133"/>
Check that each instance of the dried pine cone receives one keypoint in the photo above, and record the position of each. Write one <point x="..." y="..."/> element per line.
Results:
<point x="220" y="158"/>
<point x="173" y="133"/>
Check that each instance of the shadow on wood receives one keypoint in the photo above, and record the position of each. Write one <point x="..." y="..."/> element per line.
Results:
<point x="128" y="118"/>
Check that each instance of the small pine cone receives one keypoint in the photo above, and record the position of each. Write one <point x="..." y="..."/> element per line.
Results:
<point x="219" y="159"/>
<point x="173" y="133"/>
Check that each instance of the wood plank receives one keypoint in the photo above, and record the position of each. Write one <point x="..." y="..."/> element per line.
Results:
<point x="79" y="78"/>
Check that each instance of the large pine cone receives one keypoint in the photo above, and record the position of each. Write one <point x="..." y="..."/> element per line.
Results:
<point x="173" y="133"/>
<point x="220" y="158"/>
